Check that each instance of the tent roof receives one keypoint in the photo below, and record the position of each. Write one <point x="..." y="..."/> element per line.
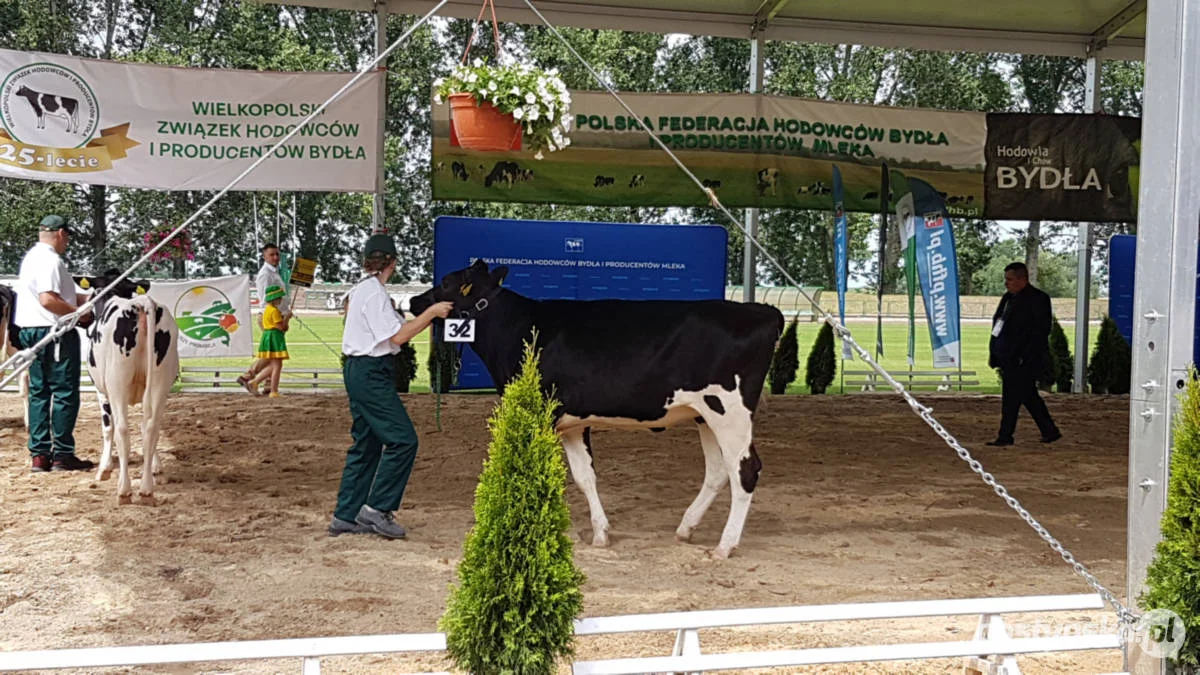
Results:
<point x="1052" y="27"/>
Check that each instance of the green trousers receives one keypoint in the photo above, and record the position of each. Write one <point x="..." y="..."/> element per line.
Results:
<point x="380" y="461"/>
<point x="53" y="393"/>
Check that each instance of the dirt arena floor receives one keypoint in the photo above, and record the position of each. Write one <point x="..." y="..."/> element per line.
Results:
<point x="858" y="501"/>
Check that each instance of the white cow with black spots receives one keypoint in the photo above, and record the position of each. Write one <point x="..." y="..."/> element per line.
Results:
<point x="134" y="358"/>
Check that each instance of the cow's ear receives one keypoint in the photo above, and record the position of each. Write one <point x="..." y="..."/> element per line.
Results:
<point x="479" y="265"/>
<point x="498" y="274"/>
<point x="85" y="283"/>
<point x="143" y="287"/>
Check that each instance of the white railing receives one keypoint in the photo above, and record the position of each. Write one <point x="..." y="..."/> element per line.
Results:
<point x="991" y="649"/>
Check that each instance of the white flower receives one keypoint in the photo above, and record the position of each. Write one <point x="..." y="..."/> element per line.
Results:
<point x="566" y="123"/>
<point x="566" y="142"/>
<point x="492" y="85"/>
<point x="556" y="135"/>
<point x="530" y="98"/>
<point x="437" y="99"/>
<point x="438" y="82"/>
<point x="553" y="72"/>
<point x="532" y="113"/>
<point x="472" y="78"/>
<point x="539" y="155"/>
<point x="477" y="63"/>
<point x="516" y="91"/>
<point x="518" y="113"/>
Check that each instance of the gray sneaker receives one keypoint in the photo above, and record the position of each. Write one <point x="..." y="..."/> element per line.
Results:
<point x="380" y="522"/>
<point x="338" y="526"/>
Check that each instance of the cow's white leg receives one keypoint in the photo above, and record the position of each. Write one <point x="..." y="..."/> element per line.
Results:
<point x="150" y="428"/>
<point x="731" y="423"/>
<point x="715" y="477"/>
<point x="577" y="443"/>
<point x="104" y="471"/>
<point x="121" y="438"/>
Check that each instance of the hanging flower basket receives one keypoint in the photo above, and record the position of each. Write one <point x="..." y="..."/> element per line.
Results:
<point x="480" y="126"/>
<point x="500" y="107"/>
<point x="179" y="248"/>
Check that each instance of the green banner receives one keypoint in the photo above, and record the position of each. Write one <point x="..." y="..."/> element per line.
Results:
<point x="763" y="151"/>
<point x="779" y="152"/>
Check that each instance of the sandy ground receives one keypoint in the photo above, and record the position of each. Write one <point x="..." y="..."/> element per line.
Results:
<point x="858" y="501"/>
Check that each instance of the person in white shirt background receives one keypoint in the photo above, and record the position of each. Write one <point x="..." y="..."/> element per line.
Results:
<point x="268" y="275"/>
<point x="45" y="292"/>
<point x="380" y="460"/>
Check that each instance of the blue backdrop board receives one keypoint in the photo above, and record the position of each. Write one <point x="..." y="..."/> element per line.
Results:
<point x="554" y="260"/>
<point x="1122" y="250"/>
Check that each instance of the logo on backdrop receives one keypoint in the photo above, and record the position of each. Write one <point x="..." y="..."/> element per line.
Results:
<point x="1160" y="633"/>
<point x="49" y="118"/>
<point x="205" y="317"/>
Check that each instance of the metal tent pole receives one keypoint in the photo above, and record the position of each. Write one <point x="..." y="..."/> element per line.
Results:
<point x="749" y="280"/>
<point x="1083" y="278"/>
<point x="1165" y="282"/>
<point x="381" y="44"/>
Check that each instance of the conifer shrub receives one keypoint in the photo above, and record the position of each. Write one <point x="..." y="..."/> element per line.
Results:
<point x="822" y="361"/>
<point x="518" y="593"/>
<point x="1109" y="370"/>
<point x="786" y="361"/>
<point x="1171" y="578"/>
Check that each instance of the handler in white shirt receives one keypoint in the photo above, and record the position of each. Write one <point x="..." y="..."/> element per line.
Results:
<point x="45" y="292"/>
<point x="268" y="276"/>
<point x="380" y="461"/>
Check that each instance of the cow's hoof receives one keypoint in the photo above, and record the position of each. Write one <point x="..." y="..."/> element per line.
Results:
<point x="721" y="553"/>
<point x="124" y="499"/>
<point x="600" y="539"/>
<point x="104" y="475"/>
<point x="683" y="537"/>
<point x="147" y="500"/>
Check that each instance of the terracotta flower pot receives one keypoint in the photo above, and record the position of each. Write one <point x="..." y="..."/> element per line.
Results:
<point x="482" y="127"/>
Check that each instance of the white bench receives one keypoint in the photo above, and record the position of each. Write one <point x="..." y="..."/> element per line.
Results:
<point x="942" y="380"/>
<point x="990" y="649"/>
<point x="310" y="650"/>
<point x="219" y="380"/>
<point x="990" y="639"/>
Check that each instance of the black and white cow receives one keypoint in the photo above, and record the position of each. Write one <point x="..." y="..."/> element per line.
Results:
<point x="134" y="358"/>
<point x="52" y="105"/>
<point x="603" y="181"/>
<point x="637" y="181"/>
<point x="633" y="364"/>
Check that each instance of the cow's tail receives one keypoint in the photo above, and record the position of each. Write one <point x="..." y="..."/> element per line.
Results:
<point x="150" y="308"/>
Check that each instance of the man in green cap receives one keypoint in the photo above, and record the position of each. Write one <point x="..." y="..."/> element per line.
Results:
<point x="380" y="461"/>
<point x="45" y="293"/>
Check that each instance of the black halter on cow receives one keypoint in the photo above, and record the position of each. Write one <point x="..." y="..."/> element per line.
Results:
<point x="133" y="358"/>
<point x="633" y="364"/>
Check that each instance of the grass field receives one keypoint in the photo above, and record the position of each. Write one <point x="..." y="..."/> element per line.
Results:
<point x="308" y="352"/>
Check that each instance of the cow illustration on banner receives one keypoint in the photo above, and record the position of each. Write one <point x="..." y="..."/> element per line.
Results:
<point x="213" y="315"/>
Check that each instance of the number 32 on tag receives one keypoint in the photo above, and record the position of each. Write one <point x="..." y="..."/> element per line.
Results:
<point x="460" y="330"/>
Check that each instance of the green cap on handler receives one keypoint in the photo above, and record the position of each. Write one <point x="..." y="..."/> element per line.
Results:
<point x="273" y="293"/>
<point x="380" y="243"/>
<point x="53" y="223"/>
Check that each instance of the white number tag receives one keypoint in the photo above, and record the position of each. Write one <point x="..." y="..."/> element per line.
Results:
<point x="460" y="330"/>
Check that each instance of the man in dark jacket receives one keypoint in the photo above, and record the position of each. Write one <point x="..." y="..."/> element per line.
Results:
<point x="1020" y="348"/>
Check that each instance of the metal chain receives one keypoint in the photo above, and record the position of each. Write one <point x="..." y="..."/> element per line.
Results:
<point x="1125" y="615"/>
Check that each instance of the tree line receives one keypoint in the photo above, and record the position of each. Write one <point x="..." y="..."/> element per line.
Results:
<point x="328" y="227"/>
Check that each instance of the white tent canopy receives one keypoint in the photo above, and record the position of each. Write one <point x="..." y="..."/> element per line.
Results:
<point x="1051" y="27"/>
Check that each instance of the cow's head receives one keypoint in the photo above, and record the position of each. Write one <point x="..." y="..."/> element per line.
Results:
<point x="127" y="288"/>
<point x="466" y="288"/>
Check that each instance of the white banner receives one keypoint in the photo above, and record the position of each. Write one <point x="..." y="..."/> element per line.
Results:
<point x="101" y="122"/>
<point x="213" y="315"/>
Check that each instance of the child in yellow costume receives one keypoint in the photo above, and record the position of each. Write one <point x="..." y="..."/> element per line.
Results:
<point x="272" y="345"/>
